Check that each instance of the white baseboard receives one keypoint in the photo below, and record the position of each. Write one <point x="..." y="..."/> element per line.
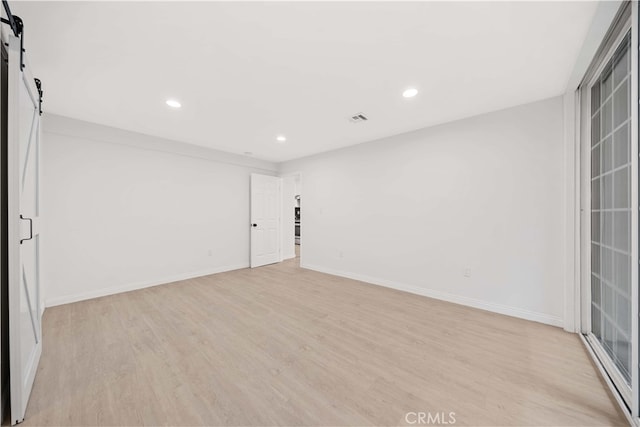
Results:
<point x="444" y="296"/>
<point x="67" y="299"/>
<point x="286" y="257"/>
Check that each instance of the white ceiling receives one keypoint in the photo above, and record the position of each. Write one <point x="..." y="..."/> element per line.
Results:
<point x="246" y="72"/>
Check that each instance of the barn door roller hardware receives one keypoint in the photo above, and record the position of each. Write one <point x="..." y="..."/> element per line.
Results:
<point x="17" y="26"/>
<point x="15" y="22"/>
<point x="39" y="87"/>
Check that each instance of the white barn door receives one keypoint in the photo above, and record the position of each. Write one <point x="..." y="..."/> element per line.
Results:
<point x="23" y="163"/>
<point x="265" y="219"/>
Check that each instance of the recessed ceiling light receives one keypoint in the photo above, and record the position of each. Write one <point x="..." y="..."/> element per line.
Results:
<point x="410" y="93"/>
<point x="281" y="138"/>
<point x="173" y="103"/>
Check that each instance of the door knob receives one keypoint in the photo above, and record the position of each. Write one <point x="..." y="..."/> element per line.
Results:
<point x="254" y="225"/>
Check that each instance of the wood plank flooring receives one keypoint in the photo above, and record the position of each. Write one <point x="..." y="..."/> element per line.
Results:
<point x="280" y="345"/>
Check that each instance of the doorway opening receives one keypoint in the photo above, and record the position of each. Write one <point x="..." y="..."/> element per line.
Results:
<point x="292" y="216"/>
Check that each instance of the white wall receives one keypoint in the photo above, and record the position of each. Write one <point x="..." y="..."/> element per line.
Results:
<point x="124" y="210"/>
<point x="414" y="211"/>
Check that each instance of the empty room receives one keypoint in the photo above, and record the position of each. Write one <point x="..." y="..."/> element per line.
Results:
<point x="319" y="213"/>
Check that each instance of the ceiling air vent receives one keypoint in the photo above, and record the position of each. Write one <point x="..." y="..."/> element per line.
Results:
<point x="358" y="118"/>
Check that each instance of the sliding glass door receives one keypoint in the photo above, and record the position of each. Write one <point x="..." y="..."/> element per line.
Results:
<point x="609" y="210"/>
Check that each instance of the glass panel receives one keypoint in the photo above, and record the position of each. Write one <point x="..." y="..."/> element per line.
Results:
<point x="595" y="161"/>
<point x="623" y="356"/>
<point x="621" y="152"/>
<point x="595" y="259"/>
<point x="607" y="154"/>
<point x="606" y="265"/>
<point x="621" y="189"/>
<point x="595" y="194"/>
<point x="607" y="298"/>
<point x="623" y="314"/>
<point x="621" y="104"/>
<point x="621" y="226"/>
<point x="607" y="335"/>
<point x="596" y="322"/>
<point x="595" y="98"/>
<point x="595" y="226"/>
<point x="607" y="118"/>
<point x="622" y="273"/>
<point x="595" y="290"/>
<point x="606" y="196"/>
<point x="606" y="82"/>
<point x="607" y="228"/>
<point x="621" y="67"/>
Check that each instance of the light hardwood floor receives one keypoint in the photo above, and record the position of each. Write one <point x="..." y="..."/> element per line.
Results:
<point x="280" y="345"/>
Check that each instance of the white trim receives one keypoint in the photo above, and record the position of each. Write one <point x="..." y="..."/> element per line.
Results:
<point x="444" y="296"/>
<point x="572" y="217"/>
<point x="67" y="299"/>
<point x="577" y="213"/>
<point x="634" y="211"/>
<point x="577" y="236"/>
<point x="605" y="376"/>
<point x="584" y="245"/>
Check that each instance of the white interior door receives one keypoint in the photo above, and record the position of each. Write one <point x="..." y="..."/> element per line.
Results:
<point x="265" y="219"/>
<point x="23" y="179"/>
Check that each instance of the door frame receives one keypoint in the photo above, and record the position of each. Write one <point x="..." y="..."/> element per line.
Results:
<point x="625" y="21"/>
<point x="282" y="224"/>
